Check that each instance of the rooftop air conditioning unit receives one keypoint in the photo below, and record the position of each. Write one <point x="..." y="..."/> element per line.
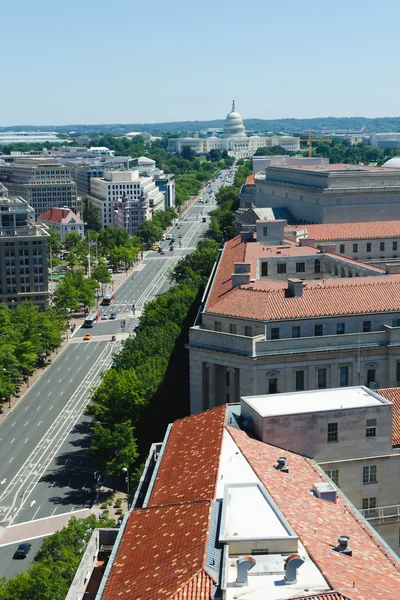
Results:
<point x="325" y="491"/>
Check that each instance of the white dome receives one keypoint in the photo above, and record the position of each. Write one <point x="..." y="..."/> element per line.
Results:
<point x="234" y="124"/>
<point x="392" y="163"/>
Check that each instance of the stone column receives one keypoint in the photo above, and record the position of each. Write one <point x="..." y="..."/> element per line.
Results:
<point x="211" y="384"/>
<point x="232" y="383"/>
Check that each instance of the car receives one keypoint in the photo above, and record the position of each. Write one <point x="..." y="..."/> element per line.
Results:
<point x="173" y="239"/>
<point x="180" y="235"/>
<point x="114" y="365"/>
<point x="164" y="237"/>
<point x="113" y="315"/>
<point x="169" y="236"/>
<point x="87" y="337"/>
<point x="155" y="248"/>
<point x="171" y="248"/>
<point x="182" y="224"/>
<point x="162" y="252"/>
<point x="110" y="271"/>
<point x="23" y="550"/>
<point x="104" y="317"/>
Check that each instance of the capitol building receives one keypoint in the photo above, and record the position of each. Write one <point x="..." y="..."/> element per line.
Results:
<point x="234" y="140"/>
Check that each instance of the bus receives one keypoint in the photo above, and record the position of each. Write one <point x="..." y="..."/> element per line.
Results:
<point x="91" y="319"/>
<point x="108" y="299"/>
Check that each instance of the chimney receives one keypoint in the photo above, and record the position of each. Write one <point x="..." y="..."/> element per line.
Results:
<point x="240" y="279"/>
<point x="244" y="564"/>
<point x="392" y="268"/>
<point x="295" y="288"/>
<point x="282" y="466"/>
<point x="307" y="242"/>
<point x="292" y="563"/>
<point x="343" y="545"/>
<point x="241" y="267"/>
<point x="325" y="248"/>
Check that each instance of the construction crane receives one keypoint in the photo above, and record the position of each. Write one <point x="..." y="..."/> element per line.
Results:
<point x="310" y="141"/>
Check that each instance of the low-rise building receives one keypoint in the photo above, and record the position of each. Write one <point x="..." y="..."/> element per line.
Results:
<point x="280" y="316"/>
<point x="23" y="253"/>
<point x="63" y="220"/>
<point x="332" y="193"/>
<point x="219" y="514"/>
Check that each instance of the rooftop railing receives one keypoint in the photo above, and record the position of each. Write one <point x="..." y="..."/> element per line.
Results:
<point x="382" y="514"/>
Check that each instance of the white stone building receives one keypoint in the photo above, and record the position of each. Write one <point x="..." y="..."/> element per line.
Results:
<point x="280" y="317"/>
<point x="234" y="140"/>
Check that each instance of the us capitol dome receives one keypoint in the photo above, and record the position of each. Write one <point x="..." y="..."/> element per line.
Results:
<point x="392" y="163"/>
<point x="234" y="124"/>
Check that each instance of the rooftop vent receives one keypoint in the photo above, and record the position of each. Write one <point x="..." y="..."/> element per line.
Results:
<point x="343" y="545"/>
<point x="244" y="564"/>
<point x="292" y="563"/>
<point x="282" y="466"/>
<point x="325" y="491"/>
<point x="295" y="287"/>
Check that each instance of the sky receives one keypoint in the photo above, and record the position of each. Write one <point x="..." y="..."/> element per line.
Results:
<point x="97" y="61"/>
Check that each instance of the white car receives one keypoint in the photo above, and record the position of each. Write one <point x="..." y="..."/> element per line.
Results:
<point x="164" y="237"/>
<point x="168" y="236"/>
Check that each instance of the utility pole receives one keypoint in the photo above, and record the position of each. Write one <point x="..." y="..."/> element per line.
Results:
<point x="89" y="258"/>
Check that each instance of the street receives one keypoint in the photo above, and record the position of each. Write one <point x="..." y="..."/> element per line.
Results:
<point x="46" y="468"/>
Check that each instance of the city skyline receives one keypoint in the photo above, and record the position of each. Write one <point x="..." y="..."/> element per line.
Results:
<point x="92" y="66"/>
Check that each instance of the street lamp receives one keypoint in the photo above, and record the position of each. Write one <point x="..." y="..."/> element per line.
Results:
<point x="126" y="470"/>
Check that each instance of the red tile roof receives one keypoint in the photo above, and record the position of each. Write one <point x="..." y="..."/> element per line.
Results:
<point x="393" y="395"/>
<point x="353" y="231"/>
<point x="234" y="251"/>
<point x="62" y="215"/>
<point x="189" y="465"/>
<point x="161" y="555"/>
<point x="371" y="572"/>
<point x="323" y="596"/>
<point x="250" y="179"/>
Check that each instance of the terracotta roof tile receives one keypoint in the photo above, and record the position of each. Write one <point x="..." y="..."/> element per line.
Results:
<point x="371" y="572"/>
<point x="161" y="555"/>
<point x="233" y="251"/>
<point x="393" y="395"/>
<point x="323" y="596"/>
<point x="353" y="231"/>
<point x="60" y="215"/>
<point x="250" y="179"/>
<point x="189" y="465"/>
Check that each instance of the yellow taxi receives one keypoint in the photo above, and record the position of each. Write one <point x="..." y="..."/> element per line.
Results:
<point x="156" y="248"/>
<point x="87" y="337"/>
<point x="181" y="224"/>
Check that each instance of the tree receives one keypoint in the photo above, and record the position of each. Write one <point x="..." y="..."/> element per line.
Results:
<point x="270" y="151"/>
<point x="53" y="242"/>
<point x="91" y="215"/>
<point x="115" y="448"/>
<point x="187" y="153"/>
<point x="101" y="274"/>
<point x="149" y="232"/>
<point x="118" y="398"/>
<point x="195" y="268"/>
<point x="72" y="241"/>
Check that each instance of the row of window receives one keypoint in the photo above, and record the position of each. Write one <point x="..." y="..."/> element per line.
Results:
<point x="281" y="267"/>
<point x="369" y="475"/>
<point x="319" y="329"/>
<point x="333" y="431"/>
<point x="248" y="331"/>
<point x="322" y="379"/>
<point x="382" y="247"/>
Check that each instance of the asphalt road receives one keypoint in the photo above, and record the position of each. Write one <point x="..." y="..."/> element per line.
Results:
<point x="12" y="566"/>
<point x="46" y="466"/>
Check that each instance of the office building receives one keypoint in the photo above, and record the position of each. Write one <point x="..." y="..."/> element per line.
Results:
<point x="220" y="514"/>
<point x="43" y="183"/>
<point x="234" y="140"/>
<point x="83" y="169"/>
<point x="385" y="140"/>
<point x="63" y="220"/>
<point x="23" y="253"/>
<point x="28" y="137"/>
<point x="124" y="198"/>
<point x="332" y="193"/>
<point x="164" y="182"/>
<point x="281" y="316"/>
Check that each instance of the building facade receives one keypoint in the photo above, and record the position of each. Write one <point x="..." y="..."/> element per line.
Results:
<point x="234" y="140"/>
<point x="43" y="183"/>
<point x="63" y="220"/>
<point x="23" y="253"/>
<point x="332" y="193"/>
<point x="281" y="317"/>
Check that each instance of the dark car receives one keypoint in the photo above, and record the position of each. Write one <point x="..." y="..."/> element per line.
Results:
<point x="113" y="315"/>
<point x="22" y="551"/>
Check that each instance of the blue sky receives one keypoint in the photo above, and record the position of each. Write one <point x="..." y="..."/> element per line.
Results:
<point x="97" y="61"/>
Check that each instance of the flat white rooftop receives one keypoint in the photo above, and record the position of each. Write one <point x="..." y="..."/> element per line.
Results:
<point x="313" y="401"/>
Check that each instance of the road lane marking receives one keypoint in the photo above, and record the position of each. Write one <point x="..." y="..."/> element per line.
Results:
<point x="13" y="424"/>
<point x="54" y="511"/>
<point x="39" y="423"/>
<point x="26" y="408"/>
<point x="11" y="460"/>
<point x="35" y="513"/>
<point x="38" y="407"/>
<point x="60" y="380"/>
<point x="51" y="406"/>
<point x="26" y="423"/>
<point x="26" y="440"/>
<point x="12" y="440"/>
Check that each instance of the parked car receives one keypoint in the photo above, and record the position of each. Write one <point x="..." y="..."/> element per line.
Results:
<point x="113" y="316"/>
<point x="22" y="551"/>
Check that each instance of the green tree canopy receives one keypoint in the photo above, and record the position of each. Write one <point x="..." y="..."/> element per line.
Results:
<point x="72" y="241"/>
<point x="149" y="232"/>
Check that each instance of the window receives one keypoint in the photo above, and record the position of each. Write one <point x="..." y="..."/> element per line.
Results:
<point x="370" y="429"/>
<point x="274" y="333"/>
<point x="332" y="432"/>
<point x="382" y="246"/>
<point x="341" y="248"/>
<point x="273" y="385"/>
<point x="232" y="328"/>
<point x="369" y="503"/>
<point x="317" y="265"/>
<point x="369" y="475"/>
<point x="366" y="326"/>
<point x="355" y="248"/>
<point x="265" y="230"/>
<point x="299" y="381"/>
<point x="217" y="326"/>
<point x="248" y="331"/>
<point x="394" y="246"/>
<point x="296" y="331"/>
<point x="369" y="247"/>
<point x="334" y="475"/>
<point x="370" y="377"/>
<point x="396" y="323"/>
<point x="264" y="269"/>
<point x="340" y="328"/>
<point x="344" y="376"/>
<point x="318" y="329"/>
<point x="300" y="267"/>
<point x="321" y="379"/>
<point x="281" y="268"/>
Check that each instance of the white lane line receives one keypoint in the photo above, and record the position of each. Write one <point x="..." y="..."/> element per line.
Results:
<point x="38" y="408"/>
<point x="72" y="378"/>
<point x="60" y="380"/>
<point x="50" y="393"/>
<point x="26" y="440"/>
<point x="13" y="424"/>
<point x="12" y="440"/>
<point x="39" y="423"/>
<point x="35" y="513"/>
<point x="54" y="511"/>
<point x="38" y="394"/>
<point x="26" y="423"/>
<point x="58" y="369"/>
<point x="26" y="408"/>
<point x="51" y="407"/>
<point x="11" y="460"/>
